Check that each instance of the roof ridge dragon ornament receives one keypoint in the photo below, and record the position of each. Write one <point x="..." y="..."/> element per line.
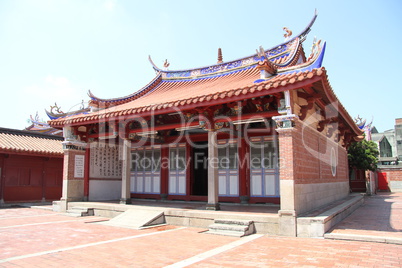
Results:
<point x="57" y="108"/>
<point x="288" y="33"/>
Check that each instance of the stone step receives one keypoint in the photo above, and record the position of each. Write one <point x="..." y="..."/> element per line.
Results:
<point x="81" y="208"/>
<point x="56" y="206"/>
<point x="226" y="232"/>
<point x="234" y="222"/>
<point x="80" y="212"/>
<point x="71" y="213"/>
<point x="229" y="227"/>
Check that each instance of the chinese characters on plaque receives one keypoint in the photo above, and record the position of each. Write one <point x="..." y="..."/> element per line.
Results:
<point x="104" y="161"/>
<point x="79" y="166"/>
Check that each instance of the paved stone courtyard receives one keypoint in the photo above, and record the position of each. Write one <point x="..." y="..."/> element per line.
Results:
<point x="39" y="238"/>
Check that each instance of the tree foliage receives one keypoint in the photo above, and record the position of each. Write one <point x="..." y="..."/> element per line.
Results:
<point x="363" y="155"/>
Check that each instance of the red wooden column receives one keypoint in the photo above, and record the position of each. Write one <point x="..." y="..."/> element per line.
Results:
<point x="164" y="172"/>
<point x="2" y="177"/>
<point x="188" y="171"/>
<point x="44" y="178"/>
<point x="244" y="170"/>
<point x="213" y="196"/>
<point x="86" y="174"/>
<point x="126" y="173"/>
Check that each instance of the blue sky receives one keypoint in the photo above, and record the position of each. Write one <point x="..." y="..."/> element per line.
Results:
<point x="56" y="50"/>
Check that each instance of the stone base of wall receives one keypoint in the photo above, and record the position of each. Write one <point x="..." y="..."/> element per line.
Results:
<point x="317" y="225"/>
<point x="315" y="195"/>
<point x="395" y="186"/>
<point x="102" y="190"/>
<point x="73" y="190"/>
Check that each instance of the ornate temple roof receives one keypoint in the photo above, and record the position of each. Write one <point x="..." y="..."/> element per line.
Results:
<point x="281" y="57"/>
<point x="280" y="68"/>
<point x="26" y="142"/>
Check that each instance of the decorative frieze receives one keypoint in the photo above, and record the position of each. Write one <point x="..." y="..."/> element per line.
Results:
<point x="285" y="121"/>
<point x="71" y="141"/>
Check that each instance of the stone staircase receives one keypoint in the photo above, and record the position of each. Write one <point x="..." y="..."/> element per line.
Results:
<point x="80" y="212"/>
<point x="237" y="228"/>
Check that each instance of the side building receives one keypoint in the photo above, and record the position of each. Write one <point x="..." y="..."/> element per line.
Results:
<point x="31" y="166"/>
<point x="390" y="160"/>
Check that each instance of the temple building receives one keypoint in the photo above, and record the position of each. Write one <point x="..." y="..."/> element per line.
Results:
<point x="265" y="128"/>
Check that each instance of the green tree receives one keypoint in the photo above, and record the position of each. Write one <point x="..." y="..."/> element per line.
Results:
<point x="363" y="155"/>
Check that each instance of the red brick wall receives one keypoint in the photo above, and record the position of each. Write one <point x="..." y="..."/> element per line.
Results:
<point x="286" y="154"/>
<point x="393" y="174"/>
<point x="309" y="152"/>
<point x="398" y="121"/>
<point x="69" y="163"/>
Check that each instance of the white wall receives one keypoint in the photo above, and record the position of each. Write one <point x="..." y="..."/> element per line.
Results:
<point x="102" y="190"/>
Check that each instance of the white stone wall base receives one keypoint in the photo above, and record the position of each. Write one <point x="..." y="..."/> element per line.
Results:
<point x="103" y="190"/>
<point x="312" y="196"/>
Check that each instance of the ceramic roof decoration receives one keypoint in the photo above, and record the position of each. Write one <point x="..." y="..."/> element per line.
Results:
<point x="26" y="142"/>
<point x="40" y="126"/>
<point x="56" y="112"/>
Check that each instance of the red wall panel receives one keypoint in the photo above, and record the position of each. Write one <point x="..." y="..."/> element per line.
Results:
<point x="28" y="178"/>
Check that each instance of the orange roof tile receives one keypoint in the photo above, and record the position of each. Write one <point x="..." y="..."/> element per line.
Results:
<point x="181" y="93"/>
<point x="18" y="141"/>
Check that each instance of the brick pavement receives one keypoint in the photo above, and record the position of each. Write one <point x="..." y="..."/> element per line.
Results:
<point x="269" y="251"/>
<point x="39" y="238"/>
<point x="379" y="216"/>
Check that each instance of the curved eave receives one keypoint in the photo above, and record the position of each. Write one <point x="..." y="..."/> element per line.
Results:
<point x="314" y="63"/>
<point x="301" y="37"/>
<point x="332" y="98"/>
<point x="121" y="100"/>
<point x="305" y="32"/>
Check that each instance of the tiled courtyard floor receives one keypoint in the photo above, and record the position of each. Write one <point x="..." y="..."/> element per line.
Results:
<point x="40" y="238"/>
<point x="380" y="215"/>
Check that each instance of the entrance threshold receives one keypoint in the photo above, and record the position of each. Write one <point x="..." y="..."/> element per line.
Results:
<point x="194" y="214"/>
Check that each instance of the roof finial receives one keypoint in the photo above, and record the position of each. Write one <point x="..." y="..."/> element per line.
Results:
<point x="288" y="33"/>
<point x="220" y="58"/>
<point x="261" y="53"/>
<point x="166" y="64"/>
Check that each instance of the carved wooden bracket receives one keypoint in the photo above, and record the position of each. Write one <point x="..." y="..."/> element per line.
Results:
<point x="305" y="108"/>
